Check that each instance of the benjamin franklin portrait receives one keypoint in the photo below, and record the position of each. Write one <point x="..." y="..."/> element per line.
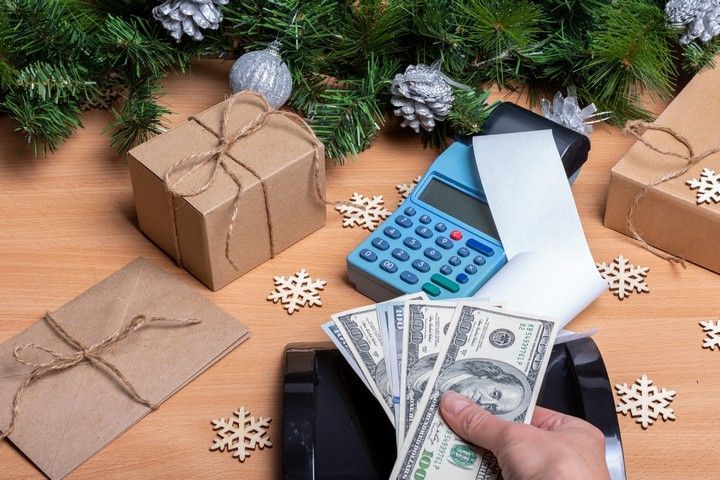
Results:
<point x="496" y="386"/>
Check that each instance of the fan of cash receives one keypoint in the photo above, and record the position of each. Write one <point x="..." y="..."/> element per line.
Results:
<point x="411" y="350"/>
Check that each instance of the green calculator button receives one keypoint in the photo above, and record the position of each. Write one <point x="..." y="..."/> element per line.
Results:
<point x="431" y="289"/>
<point x="444" y="282"/>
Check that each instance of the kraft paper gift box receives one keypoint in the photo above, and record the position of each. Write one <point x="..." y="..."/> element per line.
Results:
<point x="668" y="216"/>
<point x="280" y="178"/>
<point x="68" y="415"/>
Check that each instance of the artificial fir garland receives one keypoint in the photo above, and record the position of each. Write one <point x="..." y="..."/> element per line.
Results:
<point x="57" y="56"/>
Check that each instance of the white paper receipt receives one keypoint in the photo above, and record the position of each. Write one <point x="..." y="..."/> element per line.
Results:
<point x="550" y="270"/>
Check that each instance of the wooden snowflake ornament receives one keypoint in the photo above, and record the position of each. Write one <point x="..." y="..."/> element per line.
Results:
<point x="405" y="189"/>
<point x="712" y="339"/>
<point x="297" y="291"/>
<point x="707" y="186"/>
<point x="362" y="211"/>
<point x="241" y="433"/>
<point x="623" y="278"/>
<point x="644" y="402"/>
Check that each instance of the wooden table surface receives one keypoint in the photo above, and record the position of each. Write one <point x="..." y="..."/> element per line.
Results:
<point x="68" y="221"/>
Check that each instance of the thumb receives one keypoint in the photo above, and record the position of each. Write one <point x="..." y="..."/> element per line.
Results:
<point x="473" y="423"/>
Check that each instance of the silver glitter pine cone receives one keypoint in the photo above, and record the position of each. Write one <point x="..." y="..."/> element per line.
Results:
<point x="423" y="95"/>
<point x="567" y="112"/>
<point x="700" y="18"/>
<point x="189" y="17"/>
<point x="265" y="73"/>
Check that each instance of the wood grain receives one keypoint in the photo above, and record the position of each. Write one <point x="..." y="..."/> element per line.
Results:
<point x="68" y="221"/>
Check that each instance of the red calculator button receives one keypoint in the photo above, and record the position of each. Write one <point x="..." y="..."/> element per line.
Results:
<point x="455" y="235"/>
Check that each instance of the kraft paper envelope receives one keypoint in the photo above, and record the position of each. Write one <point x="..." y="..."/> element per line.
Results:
<point x="67" y="416"/>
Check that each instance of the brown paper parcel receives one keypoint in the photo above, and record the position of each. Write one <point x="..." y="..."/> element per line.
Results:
<point x="668" y="217"/>
<point x="275" y="164"/>
<point x="69" y="415"/>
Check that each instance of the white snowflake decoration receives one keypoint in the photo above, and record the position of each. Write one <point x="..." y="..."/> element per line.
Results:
<point x="643" y="401"/>
<point x="707" y="186"/>
<point x="405" y="189"/>
<point x="297" y="291"/>
<point x="241" y="433"/>
<point x="712" y="339"/>
<point x="363" y="211"/>
<point x="623" y="278"/>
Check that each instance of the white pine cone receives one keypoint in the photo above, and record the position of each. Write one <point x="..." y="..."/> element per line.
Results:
<point x="189" y="17"/>
<point x="422" y="96"/>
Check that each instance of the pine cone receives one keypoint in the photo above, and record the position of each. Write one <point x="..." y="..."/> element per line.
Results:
<point x="700" y="17"/>
<point x="189" y="17"/>
<point x="423" y="96"/>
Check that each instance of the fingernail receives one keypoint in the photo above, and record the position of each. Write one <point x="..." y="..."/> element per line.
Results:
<point x="455" y="403"/>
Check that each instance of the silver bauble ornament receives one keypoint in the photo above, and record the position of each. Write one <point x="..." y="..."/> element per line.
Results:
<point x="265" y="73"/>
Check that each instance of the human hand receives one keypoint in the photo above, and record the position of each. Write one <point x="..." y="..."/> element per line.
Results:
<point x="555" y="446"/>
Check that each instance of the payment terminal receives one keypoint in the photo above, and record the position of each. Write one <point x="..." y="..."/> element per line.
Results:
<point x="442" y="239"/>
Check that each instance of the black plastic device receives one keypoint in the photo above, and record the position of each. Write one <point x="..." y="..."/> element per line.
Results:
<point x="333" y="428"/>
<point x="572" y="146"/>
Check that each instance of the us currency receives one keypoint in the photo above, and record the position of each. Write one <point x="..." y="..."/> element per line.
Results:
<point x="496" y="357"/>
<point x="332" y="331"/>
<point x="426" y="324"/>
<point x="359" y="327"/>
<point x="391" y="314"/>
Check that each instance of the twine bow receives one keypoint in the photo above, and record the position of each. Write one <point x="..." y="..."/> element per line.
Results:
<point x="637" y="128"/>
<point x="84" y="353"/>
<point x="215" y="156"/>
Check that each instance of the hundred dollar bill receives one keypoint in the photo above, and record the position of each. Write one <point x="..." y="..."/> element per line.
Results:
<point x="391" y="314"/>
<point x="359" y="327"/>
<point x="493" y="356"/>
<point x="332" y="331"/>
<point x="426" y="324"/>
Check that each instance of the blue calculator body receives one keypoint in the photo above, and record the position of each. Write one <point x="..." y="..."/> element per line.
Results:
<point x="441" y="240"/>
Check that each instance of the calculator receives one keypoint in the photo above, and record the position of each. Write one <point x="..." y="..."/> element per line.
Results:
<point x="442" y="240"/>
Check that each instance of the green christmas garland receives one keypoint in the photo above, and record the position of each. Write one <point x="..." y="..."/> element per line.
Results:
<point x="60" y="57"/>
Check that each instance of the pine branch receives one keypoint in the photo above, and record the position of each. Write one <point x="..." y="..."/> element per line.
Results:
<point x="139" y="118"/>
<point x="45" y="123"/>
<point x="56" y="82"/>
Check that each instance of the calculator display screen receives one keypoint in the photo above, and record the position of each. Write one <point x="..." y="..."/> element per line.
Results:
<point x="458" y="204"/>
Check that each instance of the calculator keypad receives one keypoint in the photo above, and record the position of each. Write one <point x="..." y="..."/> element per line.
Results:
<point x="432" y="255"/>
<point x="380" y="244"/>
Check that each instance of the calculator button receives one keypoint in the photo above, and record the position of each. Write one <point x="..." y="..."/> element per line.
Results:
<point x="431" y="289"/>
<point x="461" y="278"/>
<point x="392" y="232"/>
<point x="412" y="243"/>
<point x="401" y="254"/>
<point x="480" y="247"/>
<point x="388" y="266"/>
<point x="445" y="282"/>
<point x="410" y="211"/>
<point x="455" y="235"/>
<point x="380" y="244"/>
<point x="454" y="261"/>
<point x="424" y="232"/>
<point x="432" y="254"/>
<point x="403" y="221"/>
<point x="425" y="219"/>
<point x="409" y="277"/>
<point x="440" y="227"/>
<point x="444" y="242"/>
<point x="471" y="269"/>
<point x="479" y="260"/>
<point x="421" y="266"/>
<point x="368" y="255"/>
<point x="463" y="252"/>
<point x="446" y="269"/>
